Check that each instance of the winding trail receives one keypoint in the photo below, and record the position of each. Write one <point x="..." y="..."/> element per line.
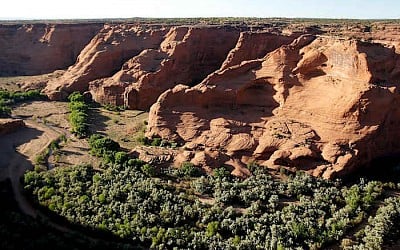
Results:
<point x="20" y="149"/>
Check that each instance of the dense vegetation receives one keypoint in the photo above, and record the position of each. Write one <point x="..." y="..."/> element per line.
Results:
<point x="19" y="231"/>
<point x="166" y="209"/>
<point x="78" y="116"/>
<point x="9" y="98"/>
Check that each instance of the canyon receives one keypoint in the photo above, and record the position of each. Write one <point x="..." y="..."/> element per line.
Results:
<point x="318" y="97"/>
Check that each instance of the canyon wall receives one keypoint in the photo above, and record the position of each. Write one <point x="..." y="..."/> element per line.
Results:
<point x="33" y="49"/>
<point x="104" y="55"/>
<point x="318" y="98"/>
<point x="186" y="56"/>
<point x="321" y="104"/>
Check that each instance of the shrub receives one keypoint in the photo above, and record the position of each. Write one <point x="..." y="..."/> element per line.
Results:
<point x="221" y="172"/>
<point x="78" y="116"/>
<point x="54" y="145"/>
<point x="148" y="170"/>
<point x="212" y="228"/>
<point x="40" y="159"/>
<point x="114" y="108"/>
<point x="4" y="111"/>
<point x="136" y="163"/>
<point x="76" y="97"/>
<point x="120" y="157"/>
<point x="142" y="139"/>
<point x="101" y="145"/>
<point x="188" y="169"/>
<point x="7" y="98"/>
<point x="156" y="142"/>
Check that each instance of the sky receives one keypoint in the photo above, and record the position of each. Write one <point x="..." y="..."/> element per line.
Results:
<point x="87" y="9"/>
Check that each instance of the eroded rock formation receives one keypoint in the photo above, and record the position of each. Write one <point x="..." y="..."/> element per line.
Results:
<point x="320" y="104"/>
<point x="104" y="55"/>
<point x="186" y="56"/>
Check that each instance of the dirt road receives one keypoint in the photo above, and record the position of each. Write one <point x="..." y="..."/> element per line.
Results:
<point x="17" y="151"/>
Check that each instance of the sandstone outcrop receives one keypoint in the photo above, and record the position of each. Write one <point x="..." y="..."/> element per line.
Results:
<point x="103" y="56"/>
<point x="186" y="56"/>
<point x="33" y="49"/>
<point x="320" y="104"/>
<point x="254" y="45"/>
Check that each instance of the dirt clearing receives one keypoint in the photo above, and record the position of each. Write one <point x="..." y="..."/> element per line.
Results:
<point x="18" y="83"/>
<point x="121" y="126"/>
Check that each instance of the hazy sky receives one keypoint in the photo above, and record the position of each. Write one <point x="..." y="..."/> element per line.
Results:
<point x="53" y="9"/>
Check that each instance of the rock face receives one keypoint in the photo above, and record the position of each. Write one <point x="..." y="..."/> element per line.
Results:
<point x="186" y="56"/>
<point x="252" y="45"/>
<point x="33" y="49"/>
<point x="10" y="125"/>
<point x="320" y="104"/>
<point x="104" y="55"/>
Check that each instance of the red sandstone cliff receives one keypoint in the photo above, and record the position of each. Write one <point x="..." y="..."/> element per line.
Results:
<point x="104" y="55"/>
<point x="321" y="104"/>
<point x="254" y="45"/>
<point x="186" y="56"/>
<point x="33" y="49"/>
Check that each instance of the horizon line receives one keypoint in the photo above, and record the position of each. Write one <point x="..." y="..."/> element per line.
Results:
<point x="197" y="17"/>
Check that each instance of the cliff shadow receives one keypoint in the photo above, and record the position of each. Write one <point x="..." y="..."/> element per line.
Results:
<point x="97" y="121"/>
<point x="10" y="142"/>
<point x="381" y="62"/>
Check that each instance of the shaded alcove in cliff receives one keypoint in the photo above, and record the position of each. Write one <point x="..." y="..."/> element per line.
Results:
<point x="385" y="168"/>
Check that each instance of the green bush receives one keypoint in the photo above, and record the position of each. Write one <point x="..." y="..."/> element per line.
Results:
<point x="76" y="97"/>
<point x="40" y="159"/>
<point x="136" y="163"/>
<point x="54" y="145"/>
<point x="212" y="228"/>
<point x="120" y="157"/>
<point x="156" y="141"/>
<point x="5" y="111"/>
<point x="188" y="169"/>
<point x="78" y="116"/>
<point x="148" y="170"/>
<point x="142" y="139"/>
<point x="8" y="98"/>
<point x="101" y="145"/>
<point x="113" y="108"/>
<point x="221" y="172"/>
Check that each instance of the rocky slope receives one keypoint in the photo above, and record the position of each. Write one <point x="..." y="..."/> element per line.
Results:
<point x="33" y="49"/>
<point x="320" y="104"/>
<point x="186" y="56"/>
<point x="106" y="52"/>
